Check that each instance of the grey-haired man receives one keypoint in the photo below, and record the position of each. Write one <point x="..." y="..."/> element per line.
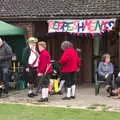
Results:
<point x="5" y="63"/>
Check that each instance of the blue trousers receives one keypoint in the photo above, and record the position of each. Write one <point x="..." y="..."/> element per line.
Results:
<point x="4" y="77"/>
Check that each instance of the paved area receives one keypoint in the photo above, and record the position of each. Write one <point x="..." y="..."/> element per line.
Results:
<point x="85" y="97"/>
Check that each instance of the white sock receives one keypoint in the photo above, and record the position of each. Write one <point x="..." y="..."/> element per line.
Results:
<point x="61" y="85"/>
<point x="43" y="93"/>
<point x="46" y="92"/>
<point x="30" y="91"/>
<point x="73" y="90"/>
<point x="68" y="92"/>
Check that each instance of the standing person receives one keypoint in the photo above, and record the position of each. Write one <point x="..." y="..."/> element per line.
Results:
<point x="44" y="70"/>
<point x="30" y="62"/>
<point x="70" y="62"/>
<point x="5" y="63"/>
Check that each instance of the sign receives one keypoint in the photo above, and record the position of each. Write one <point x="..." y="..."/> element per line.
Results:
<point x="81" y="26"/>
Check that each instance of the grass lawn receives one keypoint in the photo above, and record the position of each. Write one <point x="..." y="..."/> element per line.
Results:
<point x="21" y="112"/>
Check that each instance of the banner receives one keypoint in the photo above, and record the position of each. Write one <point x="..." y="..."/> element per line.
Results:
<point x="81" y="26"/>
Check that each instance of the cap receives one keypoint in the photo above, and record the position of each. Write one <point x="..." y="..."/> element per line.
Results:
<point x="33" y="40"/>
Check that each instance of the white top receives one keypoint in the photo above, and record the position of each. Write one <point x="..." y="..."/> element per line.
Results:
<point x="119" y="74"/>
<point x="33" y="58"/>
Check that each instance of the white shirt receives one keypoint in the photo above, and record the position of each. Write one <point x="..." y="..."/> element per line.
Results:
<point x="34" y="57"/>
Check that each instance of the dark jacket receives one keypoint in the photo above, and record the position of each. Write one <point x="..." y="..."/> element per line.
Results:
<point x="70" y="61"/>
<point x="25" y="56"/>
<point x="5" y="55"/>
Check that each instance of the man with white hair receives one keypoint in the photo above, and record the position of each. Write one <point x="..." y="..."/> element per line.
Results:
<point x="30" y="62"/>
<point x="5" y="63"/>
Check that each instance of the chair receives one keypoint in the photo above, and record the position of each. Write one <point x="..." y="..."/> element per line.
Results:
<point x="98" y="83"/>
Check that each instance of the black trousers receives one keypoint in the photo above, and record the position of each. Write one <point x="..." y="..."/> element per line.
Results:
<point x="117" y="82"/>
<point x="107" y="80"/>
<point x="4" y="76"/>
<point x="31" y="76"/>
<point x="69" y="79"/>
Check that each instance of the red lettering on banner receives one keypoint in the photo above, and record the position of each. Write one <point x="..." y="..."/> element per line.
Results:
<point x="104" y="24"/>
<point x="50" y="25"/>
<point x="90" y="25"/>
<point x="87" y="23"/>
<point x="81" y="26"/>
<point x="60" y="24"/>
<point x="75" y="25"/>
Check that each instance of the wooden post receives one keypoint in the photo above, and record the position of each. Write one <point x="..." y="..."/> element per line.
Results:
<point x="118" y="31"/>
<point x="119" y="47"/>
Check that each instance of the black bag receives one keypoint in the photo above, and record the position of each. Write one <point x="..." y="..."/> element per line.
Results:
<point x="117" y="82"/>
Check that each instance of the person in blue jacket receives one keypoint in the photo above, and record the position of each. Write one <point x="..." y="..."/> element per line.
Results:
<point x="105" y="71"/>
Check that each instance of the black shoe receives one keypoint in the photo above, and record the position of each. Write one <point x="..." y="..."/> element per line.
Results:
<point x="108" y="95"/>
<point x="4" y="95"/>
<point x="0" y="92"/>
<point x="59" y="93"/>
<point x="31" y="94"/>
<point x="0" y="95"/>
<point x="5" y="91"/>
<point x="51" y="93"/>
<point x="66" y="98"/>
<point x="108" y="88"/>
<point x="113" y="94"/>
<point x="35" y="94"/>
<point x="73" y="97"/>
<point x="43" y="100"/>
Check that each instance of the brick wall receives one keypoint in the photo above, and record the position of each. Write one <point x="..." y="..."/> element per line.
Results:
<point x="26" y="25"/>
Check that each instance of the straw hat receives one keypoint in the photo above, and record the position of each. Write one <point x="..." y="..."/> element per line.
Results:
<point x="32" y="40"/>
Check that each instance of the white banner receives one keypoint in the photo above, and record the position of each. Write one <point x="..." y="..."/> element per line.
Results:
<point x="81" y="26"/>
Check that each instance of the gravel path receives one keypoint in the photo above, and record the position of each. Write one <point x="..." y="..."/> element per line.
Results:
<point x="85" y="97"/>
